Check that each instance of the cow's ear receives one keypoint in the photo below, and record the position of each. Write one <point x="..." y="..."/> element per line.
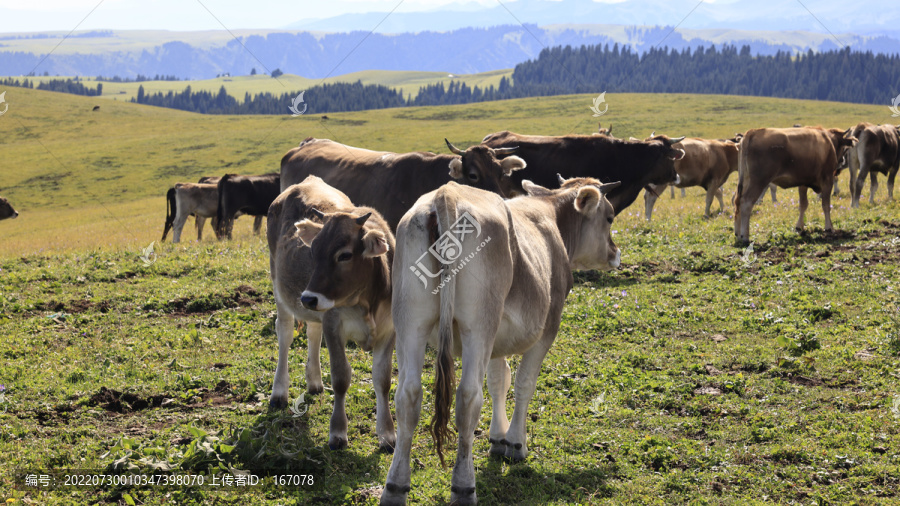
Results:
<point x="375" y="244"/>
<point x="676" y="154"/>
<point x="511" y="164"/>
<point x="535" y="190"/>
<point x="456" y="168"/>
<point x="588" y="200"/>
<point x="308" y="230"/>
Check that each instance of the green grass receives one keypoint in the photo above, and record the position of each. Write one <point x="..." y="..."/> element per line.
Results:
<point x="697" y="373"/>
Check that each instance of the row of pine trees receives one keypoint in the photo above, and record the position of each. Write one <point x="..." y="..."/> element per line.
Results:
<point x="842" y="76"/>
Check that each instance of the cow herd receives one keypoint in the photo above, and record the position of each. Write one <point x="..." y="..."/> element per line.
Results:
<point x="472" y="253"/>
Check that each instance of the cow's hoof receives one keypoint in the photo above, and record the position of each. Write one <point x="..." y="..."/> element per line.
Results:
<point x="277" y="403"/>
<point x="498" y="449"/>
<point x="514" y="452"/>
<point x="394" y="495"/>
<point x="463" y="495"/>
<point x="387" y="444"/>
<point x="315" y="389"/>
<point x="337" y="443"/>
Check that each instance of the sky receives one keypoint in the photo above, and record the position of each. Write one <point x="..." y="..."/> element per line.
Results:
<point x="64" y="15"/>
<point x="192" y="15"/>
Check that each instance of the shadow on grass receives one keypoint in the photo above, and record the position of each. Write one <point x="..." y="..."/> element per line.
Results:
<point x="523" y="485"/>
<point x="601" y="279"/>
<point x="837" y="237"/>
<point x="279" y="443"/>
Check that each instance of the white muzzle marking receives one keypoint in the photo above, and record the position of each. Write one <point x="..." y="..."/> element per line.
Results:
<point x="323" y="302"/>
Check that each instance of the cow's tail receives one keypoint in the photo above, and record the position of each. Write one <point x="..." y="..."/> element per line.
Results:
<point x="445" y="369"/>
<point x="221" y="219"/>
<point x="743" y="151"/>
<point x="171" y="210"/>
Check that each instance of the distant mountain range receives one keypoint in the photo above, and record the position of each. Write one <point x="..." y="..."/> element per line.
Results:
<point x="872" y="17"/>
<point x="317" y="54"/>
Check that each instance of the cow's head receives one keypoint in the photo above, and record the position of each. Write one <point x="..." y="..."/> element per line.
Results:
<point x="604" y="131"/>
<point x="6" y="210"/>
<point x="585" y="221"/>
<point x="349" y="258"/>
<point x="667" y="151"/>
<point x="842" y="140"/>
<point x="486" y="168"/>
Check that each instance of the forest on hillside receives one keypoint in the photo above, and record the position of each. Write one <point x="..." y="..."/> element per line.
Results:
<point x="841" y="76"/>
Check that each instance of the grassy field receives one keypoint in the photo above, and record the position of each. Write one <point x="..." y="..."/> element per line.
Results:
<point x="408" y="82"/>
<point x="698" y="373"/>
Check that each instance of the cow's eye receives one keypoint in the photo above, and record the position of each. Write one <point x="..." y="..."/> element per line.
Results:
<point x="609" y="220"/>
<point x="343" y="257"/>
<point x="473" y="176"/>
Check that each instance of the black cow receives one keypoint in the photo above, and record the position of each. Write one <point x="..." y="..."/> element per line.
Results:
<point x="635" y="163"/>
<point x="246" y="195"/>
<point x="6" y="210"/>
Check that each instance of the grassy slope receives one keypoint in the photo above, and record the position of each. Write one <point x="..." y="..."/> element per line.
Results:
<point x="615" y="417"/>
<point x="408" y="82"/>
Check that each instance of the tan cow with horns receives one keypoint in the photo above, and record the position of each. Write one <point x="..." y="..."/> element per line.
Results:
<point x="483" y="278"/>
<point x="330" y="263"/>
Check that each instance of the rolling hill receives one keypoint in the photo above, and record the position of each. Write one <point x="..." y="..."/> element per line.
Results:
<point x="87" y="179"/>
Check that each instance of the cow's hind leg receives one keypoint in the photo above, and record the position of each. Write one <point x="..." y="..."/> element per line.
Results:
<point x="314" y="383"/>
<point x="408" y="402"/>
<point x="382" y="365"/>
<point x="199" y="221"/>
<point x="804" y="203"/>
<point x="743" y="206"/>
<point x="526" y="382"/>
<point x="284" y="329"/>
<point x="476" y="353"/>
<point x="257" y="224"/>
<point x="498" y="379"/>
<point x="710" y="194"/>
<point x="873" y="186"/>
<point x="856" y="189"/>
<point x="178" y="225"/>
<point x="890" y="182"/>
<point x="826" y="204"/>
<point x="650" y="199"/>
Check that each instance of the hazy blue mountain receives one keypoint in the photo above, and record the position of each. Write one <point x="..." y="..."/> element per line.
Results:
<point x="463" y="51"/>
<point x="871" y="17"/>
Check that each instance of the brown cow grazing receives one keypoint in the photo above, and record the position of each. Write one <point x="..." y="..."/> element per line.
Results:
<point x="330" y="264"/>
<point x="788" y="157"/>
<point x="878" y="151"/>
<point x="492" y="285"/>
<point x="187" y="199"/>
<point x="706" y="163"/>
<point x="634" y="164"/>
<point x="391" y="182"/>
<point x="6" y="210"/>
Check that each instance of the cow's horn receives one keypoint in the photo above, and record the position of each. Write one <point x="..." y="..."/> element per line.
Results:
<point x="676" y="140"/>
<point x="453" y="149"/>
<point x="505" y="151"/>
<point x="606" y="187"/>
<point x="318" y="214"/>
<point x="653" y="133"/>
<point x="362" y="219"/>
<point x="561" y="179"/>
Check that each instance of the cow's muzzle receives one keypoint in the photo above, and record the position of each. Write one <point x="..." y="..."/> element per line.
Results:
<point x="316" y="301"/>
<point x="617" y="262"/>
